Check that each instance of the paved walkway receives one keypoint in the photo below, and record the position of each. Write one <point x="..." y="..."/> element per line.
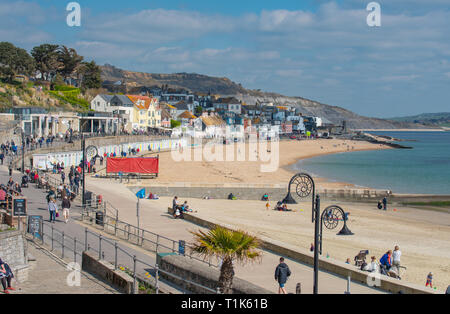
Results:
<point x="37" y="205"/>
<point x="48" y="275"/>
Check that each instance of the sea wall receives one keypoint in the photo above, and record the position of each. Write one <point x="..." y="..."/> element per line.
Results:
<point x="197" y="272"/>
<point x="251" y="191"/>
<point x="116" y="278"/>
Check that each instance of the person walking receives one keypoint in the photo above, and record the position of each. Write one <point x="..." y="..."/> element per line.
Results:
<point x="52" y="209"/>
<point x="10" y="168"/>
<point x="63" y="177"/>
<point x="385" y="203"/>
<point x="282" y="273"/>
<point x="65" y="207"/>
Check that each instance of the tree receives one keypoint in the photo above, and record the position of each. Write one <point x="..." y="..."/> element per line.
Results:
<point x="90" y="74"/>
<point x="198" y="110"/>
<point x="69" y="60"/>
<point x="14" y="61"/>
<point x="174" y="124"/>
<point x="228" y="246"/>
<point x="46" y="58"/>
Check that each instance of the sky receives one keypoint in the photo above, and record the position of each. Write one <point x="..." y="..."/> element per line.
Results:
<point x="317" y="49"/>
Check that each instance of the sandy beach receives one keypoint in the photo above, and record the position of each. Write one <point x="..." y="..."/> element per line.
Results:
<point x="423" y="236"/>
<point x="250" y="171"/>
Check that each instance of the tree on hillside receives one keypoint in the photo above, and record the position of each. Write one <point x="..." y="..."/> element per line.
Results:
<point x="90" y="74"/>
<point x="46" y="58"/>
<point x="228" y="246"/>
<point x="14" y="61"/>
<point x="69" y="60"/>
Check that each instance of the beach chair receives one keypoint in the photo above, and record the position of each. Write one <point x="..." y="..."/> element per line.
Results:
<point x="361" y="258"/>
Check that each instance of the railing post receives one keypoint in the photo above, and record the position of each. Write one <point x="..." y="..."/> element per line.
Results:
<point x="134" y="274"/>
<point x="117" y="221"/>
<point x="157" y="278"/>
<point x="157" y="243"/>
<point x="115" y="255"/>
<point x="52" y="238"/>
<point x="75" y="249"/>
<point x="63" y="244"/>
<point x="100" y="247"/>
<point x="86" y="239"/>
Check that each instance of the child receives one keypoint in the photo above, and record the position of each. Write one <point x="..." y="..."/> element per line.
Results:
<point x="267" y="206"/>
<point x="429" y="280"/>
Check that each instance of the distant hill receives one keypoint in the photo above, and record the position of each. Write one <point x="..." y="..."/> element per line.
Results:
<point x="223" y="86"/>
<point x="437" y="119"/>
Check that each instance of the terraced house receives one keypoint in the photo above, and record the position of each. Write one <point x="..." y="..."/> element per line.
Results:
<point x="146" y="112"/>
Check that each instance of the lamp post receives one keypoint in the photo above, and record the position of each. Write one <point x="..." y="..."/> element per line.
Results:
<point x="304" y="186"/>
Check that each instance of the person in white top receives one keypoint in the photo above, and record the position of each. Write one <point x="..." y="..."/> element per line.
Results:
<point x="373" y="266"/>
<point x="396" y="258"/>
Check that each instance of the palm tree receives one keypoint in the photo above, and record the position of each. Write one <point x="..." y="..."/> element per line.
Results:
<point x="228" y="246"/>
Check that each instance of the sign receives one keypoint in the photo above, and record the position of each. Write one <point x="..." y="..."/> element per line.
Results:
<point x="35" y="226"/>
<point x="181" y="247"/>
<point x="19" y="207"/>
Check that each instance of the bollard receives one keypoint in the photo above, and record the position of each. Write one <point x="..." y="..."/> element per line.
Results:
<point x="348" y="285"/>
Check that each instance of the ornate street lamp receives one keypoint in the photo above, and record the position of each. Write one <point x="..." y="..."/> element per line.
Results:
<point x="23" y="147"/>
<point x="304" y="186"/>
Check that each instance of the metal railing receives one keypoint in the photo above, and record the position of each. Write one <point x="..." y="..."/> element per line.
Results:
<point x="66" y="245"/>
<point x="145" y="239"/>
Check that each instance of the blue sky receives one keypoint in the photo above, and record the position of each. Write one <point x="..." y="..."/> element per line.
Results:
<point x="318" y="49"/>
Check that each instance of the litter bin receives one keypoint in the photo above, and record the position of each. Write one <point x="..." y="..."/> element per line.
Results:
<point x="88" y="198"/>
<point x="99" y="218"/>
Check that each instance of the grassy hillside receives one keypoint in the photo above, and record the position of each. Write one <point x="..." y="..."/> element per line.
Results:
<point x="62" y="98"/>
<point x="440" y="119"/>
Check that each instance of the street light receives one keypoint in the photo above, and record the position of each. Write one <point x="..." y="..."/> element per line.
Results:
<point x="83" y="148"/>
<point x="304" y="186"/>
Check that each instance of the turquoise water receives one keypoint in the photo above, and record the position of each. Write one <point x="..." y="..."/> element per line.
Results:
<point x="424" y="169"/>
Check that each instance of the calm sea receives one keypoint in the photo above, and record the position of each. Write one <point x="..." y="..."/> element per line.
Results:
<point x="424" y="169"/>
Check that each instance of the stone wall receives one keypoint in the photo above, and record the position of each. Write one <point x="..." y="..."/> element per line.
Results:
<point x="197" y="272"/>
<point x="116" y="278"/>
<point x="13" y="250"/>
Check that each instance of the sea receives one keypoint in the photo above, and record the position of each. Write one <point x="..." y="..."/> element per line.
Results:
<point x="425" y="169"/>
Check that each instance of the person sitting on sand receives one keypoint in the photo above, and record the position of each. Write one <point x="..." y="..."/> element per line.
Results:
<point x="232" y="197"/>
<point x="185" y="207"/>
<point x="265" y="197"/>
<point x="380" y="205"/>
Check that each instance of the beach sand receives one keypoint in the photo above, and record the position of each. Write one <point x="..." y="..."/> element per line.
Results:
<point x="250" y="171"/>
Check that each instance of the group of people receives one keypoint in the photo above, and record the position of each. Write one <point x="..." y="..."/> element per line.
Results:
<point x="53" y="208"/>
<point x="382" y="204"/>
<point x="389" y="262"/>
<point x="178" y="209"/>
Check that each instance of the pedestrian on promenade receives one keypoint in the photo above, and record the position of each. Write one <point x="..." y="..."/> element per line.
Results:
<point x="52" y="209"/>
<point x="65" y="207"/>
<point x="63" y="177"/>
<point x="282" y="273"/>
<point x="2" y="156"/>
<point x="10" y="168"/>
<point x="385" y="203"/>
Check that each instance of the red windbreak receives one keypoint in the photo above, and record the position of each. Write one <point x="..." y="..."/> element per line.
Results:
<point x="132" y="165"/>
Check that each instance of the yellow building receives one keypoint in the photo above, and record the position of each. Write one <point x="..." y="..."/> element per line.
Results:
<point x="146" y="112"/>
